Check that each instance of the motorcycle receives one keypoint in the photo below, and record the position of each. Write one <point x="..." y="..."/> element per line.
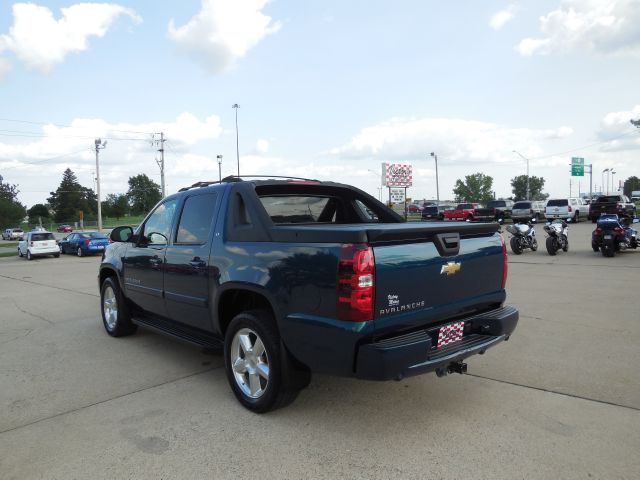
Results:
<point x="523" y="236"/>
<point x="613" y="234"/>
<point x="557" y="236"/>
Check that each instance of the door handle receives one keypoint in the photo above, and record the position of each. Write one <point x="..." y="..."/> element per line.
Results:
<point x="155" y="261"/>
<point x="197" y="263"/>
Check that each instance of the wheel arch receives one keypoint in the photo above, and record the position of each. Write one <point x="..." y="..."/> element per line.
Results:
<point x="236" y="298"/>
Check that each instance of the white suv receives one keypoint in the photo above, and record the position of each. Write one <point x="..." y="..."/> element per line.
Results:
<point x="572" y="209"/>
<point x="38" y="244"/>
<point x="13" y="234"/>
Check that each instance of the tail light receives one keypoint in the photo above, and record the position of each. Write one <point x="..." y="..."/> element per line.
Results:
<point x="570" y="208"/>
<point x="87" y="241"/>
<point x="505" y="266"/>
<point x="31" y="244"/>
<point x="356" y="283"/>
<point x="619" y="230"/>
<point x="598" y="231"/>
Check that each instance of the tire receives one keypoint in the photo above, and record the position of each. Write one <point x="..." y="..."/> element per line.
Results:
<point x="565" y="248"/>
<point x="20" y="253"/>
<point x="534" y="244"/>
<point x="79" y="252"/>
<point x="595" y="247"/>
<point x="515" y="246"/>
<point x="552" y="246"/>
<point x="116" y="317"/>
<point x="608" y="250"/>
<point x="29" y="257"/>
<point x="594" y="219"/>
<point x="257" y="379"/>
<point x="61" y="248"/>
<point x="56" y="255"/>
<point x="576" y="217"/>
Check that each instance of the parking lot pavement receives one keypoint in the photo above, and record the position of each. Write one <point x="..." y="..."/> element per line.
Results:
<point x="561" y="399"/>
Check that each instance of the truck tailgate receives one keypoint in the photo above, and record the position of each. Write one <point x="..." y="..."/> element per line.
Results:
<point x="418" y="279"/>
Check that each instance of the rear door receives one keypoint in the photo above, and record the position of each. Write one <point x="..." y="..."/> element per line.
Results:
<point x="187" y="270"/>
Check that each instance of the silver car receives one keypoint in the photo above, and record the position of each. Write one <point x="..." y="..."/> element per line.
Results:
<point x="527" y="211"/>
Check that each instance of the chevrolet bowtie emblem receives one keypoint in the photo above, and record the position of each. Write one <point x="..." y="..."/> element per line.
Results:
<point x="450" y="268"/>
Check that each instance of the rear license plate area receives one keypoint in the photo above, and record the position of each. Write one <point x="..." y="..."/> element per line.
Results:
<point x="450" y="333"/>
<point x="608" y="237"/>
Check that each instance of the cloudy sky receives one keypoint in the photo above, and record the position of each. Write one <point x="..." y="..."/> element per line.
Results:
<point x="327" y="89"/>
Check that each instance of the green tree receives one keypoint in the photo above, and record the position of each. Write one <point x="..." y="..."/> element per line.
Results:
<point x="631" y="184"/>
<point x="143" y="194"/>
<point x="12" y="212"/>
<point x="38" y="212"/>
<point x="70" y="198"/>
<point x="115" y="206"/>
<point x="519" y="188"/>
<point x="475" y="188"/>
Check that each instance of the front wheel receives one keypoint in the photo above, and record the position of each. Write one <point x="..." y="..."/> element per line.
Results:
<point x="254" y="362"/>
<point x="565" y="244"/>
<point x="552" y="245"/>
<point x="515" y="245"/>
<point x="115" y="313"/>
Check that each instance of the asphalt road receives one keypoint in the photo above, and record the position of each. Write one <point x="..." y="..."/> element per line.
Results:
<point x="561" y="399"/>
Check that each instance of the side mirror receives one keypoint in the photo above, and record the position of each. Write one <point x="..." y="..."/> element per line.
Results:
<point x="121" y="234"/>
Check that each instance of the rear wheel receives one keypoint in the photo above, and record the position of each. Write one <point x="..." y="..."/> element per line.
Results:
<point x="29" y="257"/>
<point x="20" y="253"/>
<point x="552" y="245"/>
<point x="576" y="217"/>
<point x="115" y="313"/>
<point x="595" y="247"/>
<point x="515" y="246"/>
<point x="255" y="362"/>
<point x="534" y="244"/>
<point x="608" y="249"/>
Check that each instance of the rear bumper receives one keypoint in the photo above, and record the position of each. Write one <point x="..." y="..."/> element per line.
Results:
<point x="415" y="353"/>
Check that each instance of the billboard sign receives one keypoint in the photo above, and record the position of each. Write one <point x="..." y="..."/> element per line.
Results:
<point x="397" y="195"/>
<point x="577" y="167"/>
<point x="397" y="175"/>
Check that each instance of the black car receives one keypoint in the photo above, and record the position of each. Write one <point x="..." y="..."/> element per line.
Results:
<point x="435" y="212"/>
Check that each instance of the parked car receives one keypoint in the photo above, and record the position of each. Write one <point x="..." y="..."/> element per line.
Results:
<point x="292" y="277"/>
<point x="84" y="243"/>
<point x="498" y="210"/>
<point x="527" y="211"/>
<point x="413" y="208"/>
<point x="611" y="204"/>
<point x="435" y="212"/>
<point x="463" y="211"/>
<point x="65" y="229"/>
<point x="13" y="234"/>
<point x="38" y="244"/>
<point x="569" y="209"/>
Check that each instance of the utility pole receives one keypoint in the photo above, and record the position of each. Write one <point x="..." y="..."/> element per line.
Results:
<point x="437" y="186"/>
<point x="219" y="157"/>
<point x="161" y="161"/>
<point x="236" y="106"/>
<point x="99" y="146"/>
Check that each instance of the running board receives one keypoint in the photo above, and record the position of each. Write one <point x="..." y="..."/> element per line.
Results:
<point x="195" y="336"/>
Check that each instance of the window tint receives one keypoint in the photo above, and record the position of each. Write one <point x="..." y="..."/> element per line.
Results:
<point x="158" y="226"/>
<point x="496" y="203"/>
<point x="610" y="199"/>
<point x="39" y="237"/>
<point x="558" y="203"/>
<point x="196" y="219"/>
<point x="366" y="212"/>
<point x="298" y="209"/>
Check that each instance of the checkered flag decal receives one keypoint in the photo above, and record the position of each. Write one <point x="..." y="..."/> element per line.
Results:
<point x="450" y="333"/>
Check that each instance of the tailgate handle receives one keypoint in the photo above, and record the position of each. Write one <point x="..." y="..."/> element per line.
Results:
<point x="448" y="244"/>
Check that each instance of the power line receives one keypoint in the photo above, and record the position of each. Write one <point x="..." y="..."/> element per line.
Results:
<point x="84" y="137"/>
<point x="631" y="132"/>
<point x="44" y="160"/>
<point x="66" y="126"/>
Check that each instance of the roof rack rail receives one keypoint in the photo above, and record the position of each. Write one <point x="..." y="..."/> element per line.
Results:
<point x="240" y="178"/>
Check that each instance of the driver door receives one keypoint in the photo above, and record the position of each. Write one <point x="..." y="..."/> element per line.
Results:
<point x="144" y="263"/>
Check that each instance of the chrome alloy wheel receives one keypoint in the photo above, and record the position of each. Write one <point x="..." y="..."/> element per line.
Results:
<point x="110" y="307"/>
<point x="250" y="363"/>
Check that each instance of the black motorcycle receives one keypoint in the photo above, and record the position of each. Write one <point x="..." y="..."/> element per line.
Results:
<point x="557" y="239"/>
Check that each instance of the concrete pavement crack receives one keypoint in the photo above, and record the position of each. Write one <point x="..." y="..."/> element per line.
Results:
<point x="74" y="410"/>
<point x="564" y="394"/>
<point x="31" y="314"/>
<point x="50" y="286"/>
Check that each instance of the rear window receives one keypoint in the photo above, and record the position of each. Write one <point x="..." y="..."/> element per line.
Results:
<point x="97" y="235"/>
<point x="465" y="206"/>
<point x="496" y="203"/>
<point x="521" y="205"/>
<point x="298" y="209"/>
<point x="39" y="237"/>
<point x="558" y="203"/>
<point x="432" y="209"/>
<point x="606" y="199"/>
<point x="18" y="230"/>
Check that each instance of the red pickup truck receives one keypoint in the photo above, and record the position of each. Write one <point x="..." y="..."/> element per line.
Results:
<point x="464" y="211"/>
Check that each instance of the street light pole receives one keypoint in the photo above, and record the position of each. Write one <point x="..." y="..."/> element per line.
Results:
<point x="99" y="146"/>
<point x="612" y="174"/>
<point x="528" y="189"/>
<point x="219" y="157"/>
<point x="437" y="185"/>
<point x="602" y="186"/>
<point x="236" y="106"/>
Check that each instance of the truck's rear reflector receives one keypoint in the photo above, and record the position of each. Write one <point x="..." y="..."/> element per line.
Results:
<point x="356" y="283"/>
<point x="505" y="266"/>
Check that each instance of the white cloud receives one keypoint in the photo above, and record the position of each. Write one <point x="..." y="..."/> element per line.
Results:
<point x="5" y="67"/>
<point x="501" y="18"/>
<point x="262" y="146"/>
<point x="41" y="42"/>
<point x="617" y="129"/>
<point x="223" y="32"/>
<point x="599" y="26"/>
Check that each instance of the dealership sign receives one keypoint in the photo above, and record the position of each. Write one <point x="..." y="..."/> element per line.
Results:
<point x="397" y="175"/>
